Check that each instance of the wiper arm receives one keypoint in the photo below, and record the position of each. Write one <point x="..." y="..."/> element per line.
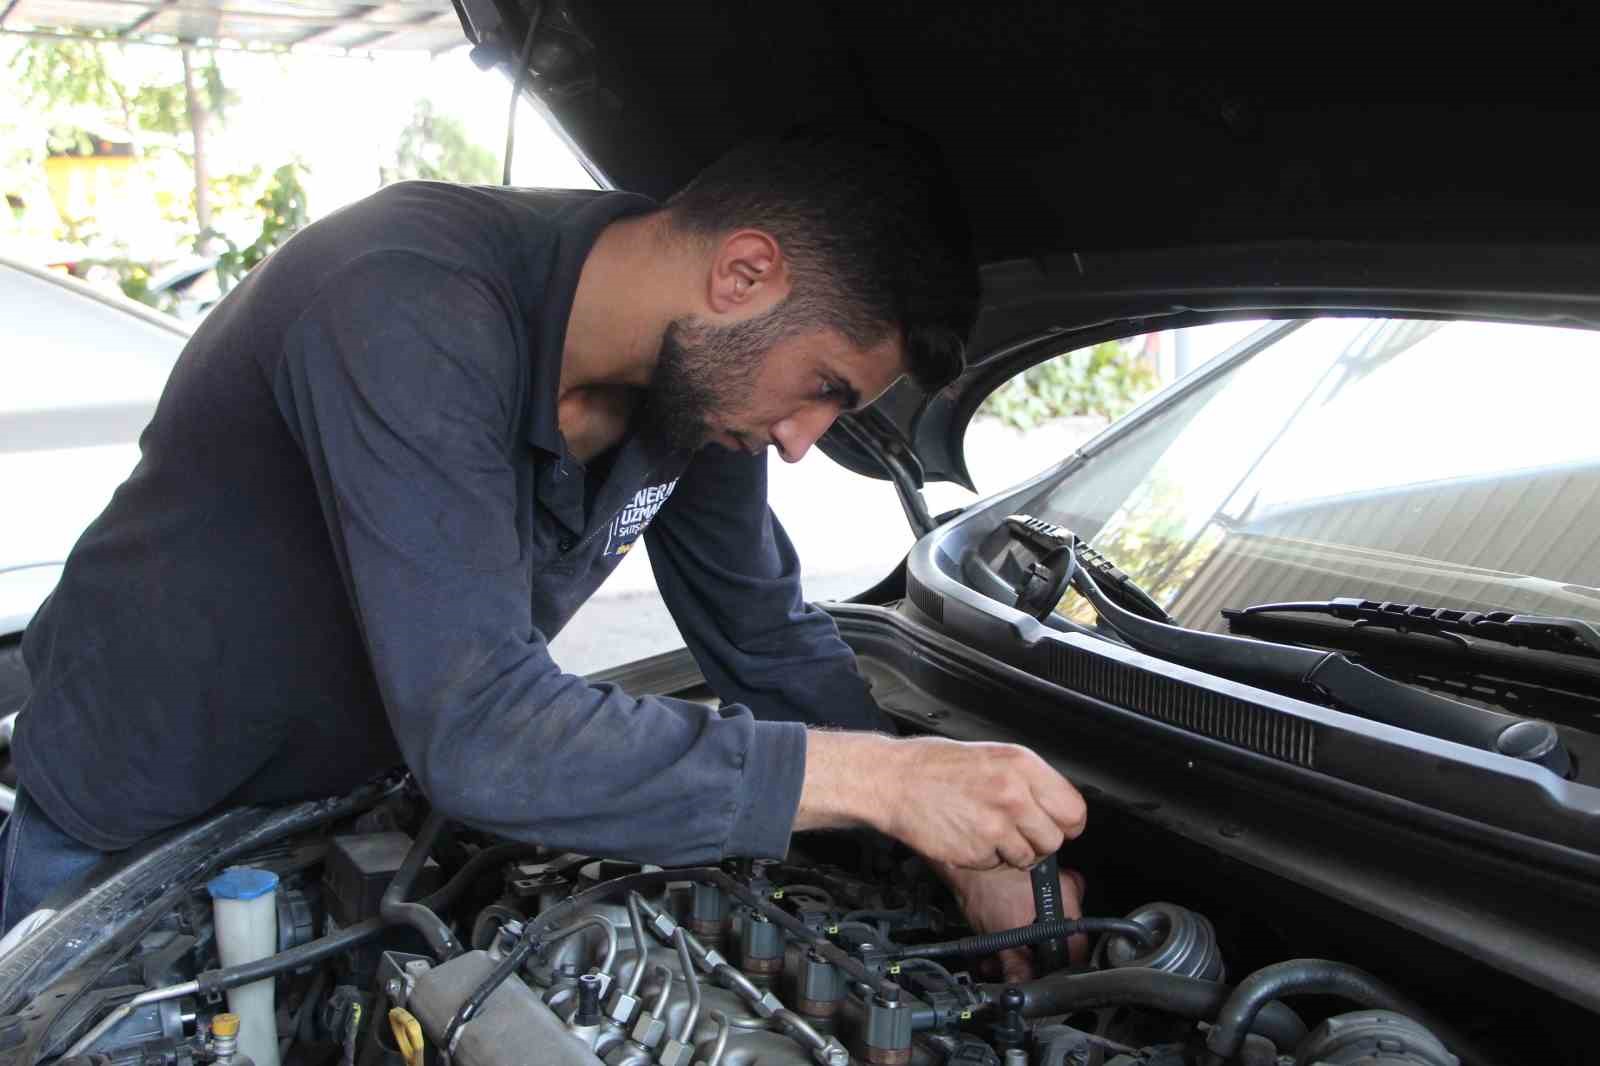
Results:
<point x="1340" y="679"/>
<point x="1570" y="636"/>
<point x="1552" y="685"/>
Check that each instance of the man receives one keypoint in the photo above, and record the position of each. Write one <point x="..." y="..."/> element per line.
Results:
<point x="391" y="465"/>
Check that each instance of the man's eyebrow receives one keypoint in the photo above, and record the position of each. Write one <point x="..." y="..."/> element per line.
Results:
<point x="851" y="394"/>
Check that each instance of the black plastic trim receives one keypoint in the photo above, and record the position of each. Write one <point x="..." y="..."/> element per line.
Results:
<point x="1483" y="786"/>
<point x="1192" y="707"/>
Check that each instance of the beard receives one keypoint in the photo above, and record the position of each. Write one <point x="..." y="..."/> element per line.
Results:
<point x="703" y="373"/>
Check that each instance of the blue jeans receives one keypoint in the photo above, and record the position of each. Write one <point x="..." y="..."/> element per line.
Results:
<point x="36" y="860"/>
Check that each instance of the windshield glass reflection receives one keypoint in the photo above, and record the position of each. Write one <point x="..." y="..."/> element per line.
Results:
<point x="1451" y="464"/>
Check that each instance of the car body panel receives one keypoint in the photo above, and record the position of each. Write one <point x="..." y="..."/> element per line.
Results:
<point x="83" y="371"/>
<point x="22" y="590"/>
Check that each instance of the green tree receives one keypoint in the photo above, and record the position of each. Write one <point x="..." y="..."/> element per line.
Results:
<point x="436" y="147"/>
<point x="69" y="74"/>
<point x="283" y="210"/>
<point x="94" y="82"/>
<point x="1105" y="380"/>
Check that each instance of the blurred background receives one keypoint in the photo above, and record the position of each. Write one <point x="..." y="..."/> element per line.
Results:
<point x="161" y="168"/>
<point x="168" y="170"/>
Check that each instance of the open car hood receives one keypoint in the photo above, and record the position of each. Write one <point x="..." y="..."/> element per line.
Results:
<point x="1079" y="132"/>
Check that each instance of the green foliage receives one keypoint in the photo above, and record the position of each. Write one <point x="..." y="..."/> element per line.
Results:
<point x="69" y="140"/>
<point x="164" y="107"/>
<point x="1104" y="380"/>
<point x="76" y="74"/>
<point x="1151" y="538"/>
<point x="436" y="147"/>
<point x="235" y="194"/>
<point x="283" y="209"/>
<point x="217" y="96"/>
<point x="68" y="73"/>
<point x="160" y="108"/>
<point x="85" y="88"/>
<point x="133" y="278"/>
<point x="83" y="230"/>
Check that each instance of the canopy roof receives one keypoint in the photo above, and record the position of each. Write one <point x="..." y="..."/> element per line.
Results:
<point x="378" y="26"/>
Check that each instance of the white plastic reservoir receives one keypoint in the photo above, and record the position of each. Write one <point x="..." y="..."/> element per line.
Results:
<point x="245" y="903"/>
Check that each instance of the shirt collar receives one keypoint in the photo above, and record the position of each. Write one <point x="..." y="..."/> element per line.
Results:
<point x="577" y="227"/>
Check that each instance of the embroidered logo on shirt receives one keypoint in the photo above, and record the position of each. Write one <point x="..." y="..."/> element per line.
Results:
<point x="632" y="519"/>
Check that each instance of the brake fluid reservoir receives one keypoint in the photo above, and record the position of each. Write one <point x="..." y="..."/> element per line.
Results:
<point x="245" y="904"/>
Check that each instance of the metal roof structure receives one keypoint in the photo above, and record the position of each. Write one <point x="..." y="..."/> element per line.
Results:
<point x="374" y="26"/>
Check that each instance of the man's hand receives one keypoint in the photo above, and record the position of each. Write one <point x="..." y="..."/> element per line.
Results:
<point x="972" y="805"/>
<point x="1002" y="898"/>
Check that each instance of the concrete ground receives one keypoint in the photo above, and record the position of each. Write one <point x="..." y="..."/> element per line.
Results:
<point x="848" y="529"/>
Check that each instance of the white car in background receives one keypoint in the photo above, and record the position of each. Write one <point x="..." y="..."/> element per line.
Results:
<point x="81" y="371"/>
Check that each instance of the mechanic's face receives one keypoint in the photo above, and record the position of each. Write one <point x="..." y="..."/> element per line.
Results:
<point x="712" y="385"/>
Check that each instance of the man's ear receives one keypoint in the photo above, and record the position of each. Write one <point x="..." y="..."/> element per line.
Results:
<point x="749" y="275"/>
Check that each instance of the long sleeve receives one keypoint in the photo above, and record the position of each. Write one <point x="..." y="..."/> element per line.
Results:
<point x="731" y="579"/>
<point x="400" y="383"/>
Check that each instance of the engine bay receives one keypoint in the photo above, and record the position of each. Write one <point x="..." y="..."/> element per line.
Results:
<point x="393" y="938"/>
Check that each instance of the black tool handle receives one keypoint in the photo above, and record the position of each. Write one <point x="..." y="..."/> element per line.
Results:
<point x="1046" y="874"/>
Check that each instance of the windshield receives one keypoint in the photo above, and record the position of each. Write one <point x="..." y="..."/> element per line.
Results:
<point x="1451" y="464"/>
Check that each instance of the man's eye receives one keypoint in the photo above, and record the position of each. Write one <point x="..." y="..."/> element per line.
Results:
<point x="829" y="390"/>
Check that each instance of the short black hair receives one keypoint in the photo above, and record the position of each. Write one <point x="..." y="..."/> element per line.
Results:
<point x="872" y="226"/>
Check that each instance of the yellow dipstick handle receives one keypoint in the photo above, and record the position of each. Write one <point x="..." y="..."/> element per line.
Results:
<point x="407" y="1035"/>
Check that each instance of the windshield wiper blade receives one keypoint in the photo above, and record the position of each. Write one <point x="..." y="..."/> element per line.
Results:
<point x="1537" y="632"/>
<point x="1334" y="676"/>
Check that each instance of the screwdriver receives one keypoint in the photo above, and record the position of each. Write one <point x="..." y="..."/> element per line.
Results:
<point x="1049" y="955"/>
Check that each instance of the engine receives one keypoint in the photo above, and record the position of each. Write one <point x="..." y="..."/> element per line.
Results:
<point x="393" y="949"/>
<point x="778" y="965"/>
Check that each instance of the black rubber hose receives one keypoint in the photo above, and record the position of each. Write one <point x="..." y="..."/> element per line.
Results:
<point x="305" y="1022"/>
<point x="394" y="908"/>
<point x="1187" y="997"/>
<point x="309" y="954"/>
<point x="1323" y="978"/>
<point x="989" y="943"/>
<point x="492" y="856"/>
<point x="486" y="927"/>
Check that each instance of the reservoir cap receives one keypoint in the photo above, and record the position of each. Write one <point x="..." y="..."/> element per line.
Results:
<point x="242" y="882"/>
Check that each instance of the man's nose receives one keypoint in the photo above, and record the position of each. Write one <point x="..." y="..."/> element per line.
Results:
<point x="795" y="435"/>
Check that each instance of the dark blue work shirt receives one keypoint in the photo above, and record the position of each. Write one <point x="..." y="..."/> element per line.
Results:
<point x="353" y="530"/>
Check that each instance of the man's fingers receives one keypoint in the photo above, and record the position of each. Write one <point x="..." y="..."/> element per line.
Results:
<point x="976" y="859"/>
<point x="1043" y="835"/>
<point x="1017" y="852"/>
<point x="1073" y="887"/>
<point x="1064" y="804"/>
<point x="1016" y="966"/>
